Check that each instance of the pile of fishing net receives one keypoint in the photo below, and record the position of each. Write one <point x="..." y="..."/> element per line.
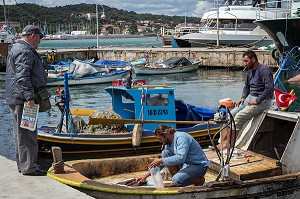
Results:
<point x="105" y="128"/>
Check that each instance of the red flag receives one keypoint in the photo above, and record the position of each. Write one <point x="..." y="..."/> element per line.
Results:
<point x="283" y="99"/>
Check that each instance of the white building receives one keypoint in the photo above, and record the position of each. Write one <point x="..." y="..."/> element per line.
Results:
<point x="80" y="33"/>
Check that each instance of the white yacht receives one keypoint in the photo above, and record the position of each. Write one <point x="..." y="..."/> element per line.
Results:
<point x="232" y="24"/>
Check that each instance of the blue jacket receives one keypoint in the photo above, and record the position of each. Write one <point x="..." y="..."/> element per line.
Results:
<point x="187" y="150"/>
<point x="24" y="73"/>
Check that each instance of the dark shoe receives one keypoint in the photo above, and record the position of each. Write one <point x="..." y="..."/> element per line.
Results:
<point x="198" y="181"/>
<point x="37" y="173"/>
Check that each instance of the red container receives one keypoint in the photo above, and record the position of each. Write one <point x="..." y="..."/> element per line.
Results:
<point x="141" y="82"/>
<point x="118" y="82"/>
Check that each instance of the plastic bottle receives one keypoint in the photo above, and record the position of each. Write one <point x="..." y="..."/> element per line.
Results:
<point x="156" y="177"/>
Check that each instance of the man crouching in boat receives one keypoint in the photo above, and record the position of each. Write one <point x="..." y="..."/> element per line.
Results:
<point x="182" y="155"/>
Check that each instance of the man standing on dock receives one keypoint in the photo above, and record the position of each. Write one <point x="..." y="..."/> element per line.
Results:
<point x="25" y="74"/>
<point x="256" y="96"/>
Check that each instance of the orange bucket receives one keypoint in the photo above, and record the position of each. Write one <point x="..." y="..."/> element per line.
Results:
<point x="226" y="102"/>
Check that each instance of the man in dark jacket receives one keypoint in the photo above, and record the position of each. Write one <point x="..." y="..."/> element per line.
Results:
<point x="24" y="76"/>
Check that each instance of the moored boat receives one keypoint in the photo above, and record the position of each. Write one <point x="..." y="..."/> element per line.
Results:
<point x="96" y="77"/>
<point x="149" y="105"/>
<point x="230" y="24"/>
<point x="265" y="164"/>
<point x="172" y="65"/>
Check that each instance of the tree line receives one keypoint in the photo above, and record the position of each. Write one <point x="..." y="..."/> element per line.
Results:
<point x="74" y="16"/>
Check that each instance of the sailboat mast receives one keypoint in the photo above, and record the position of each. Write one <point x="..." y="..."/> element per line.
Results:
<point x="4" y="10"/>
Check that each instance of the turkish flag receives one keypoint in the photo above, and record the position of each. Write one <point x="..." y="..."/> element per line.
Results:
<point x="283" y="99"/>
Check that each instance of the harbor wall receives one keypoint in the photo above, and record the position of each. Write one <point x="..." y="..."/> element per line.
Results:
<point x="218" y="57"/>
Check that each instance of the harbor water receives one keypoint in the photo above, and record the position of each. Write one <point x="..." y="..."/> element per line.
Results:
<point x="141" y="42"/>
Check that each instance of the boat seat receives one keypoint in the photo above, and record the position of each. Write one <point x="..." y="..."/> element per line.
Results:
<point x="246" y="165"/>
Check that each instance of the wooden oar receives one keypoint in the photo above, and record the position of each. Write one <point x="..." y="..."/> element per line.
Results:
<point x="134" y="121"/>
<point x="81" y="112"/>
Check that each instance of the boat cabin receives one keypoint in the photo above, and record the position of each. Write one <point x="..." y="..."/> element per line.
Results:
<point x="145" y="102"/>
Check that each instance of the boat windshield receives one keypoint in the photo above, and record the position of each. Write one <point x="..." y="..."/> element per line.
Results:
<point x="157" y="99"/>
<point x="237" y="2"/>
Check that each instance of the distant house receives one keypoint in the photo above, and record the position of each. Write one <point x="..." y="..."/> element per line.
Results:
<point x="142" y="28"/>
<point x="110" y="29"/>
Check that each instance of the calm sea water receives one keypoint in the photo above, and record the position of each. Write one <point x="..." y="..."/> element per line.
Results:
<point x="199" y="88"/>
<point x="143" y="42"/>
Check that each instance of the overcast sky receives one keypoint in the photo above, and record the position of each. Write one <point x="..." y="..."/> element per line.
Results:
<point x="167" y="7"/>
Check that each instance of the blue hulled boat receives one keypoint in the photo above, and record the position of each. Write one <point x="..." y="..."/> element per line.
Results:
<point x="147" y="105"/>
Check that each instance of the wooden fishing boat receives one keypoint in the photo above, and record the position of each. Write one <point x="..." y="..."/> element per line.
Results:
<point x="264" y="164"/>
<point x="172" y="65"/>
<point x="138" y="104"/>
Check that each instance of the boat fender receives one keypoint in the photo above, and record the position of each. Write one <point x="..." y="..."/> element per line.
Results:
<point x="137" y="135"/>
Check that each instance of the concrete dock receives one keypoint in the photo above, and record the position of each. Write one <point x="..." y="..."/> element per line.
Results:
<point x="209" y="57"/>
<point x="16" y="185"/>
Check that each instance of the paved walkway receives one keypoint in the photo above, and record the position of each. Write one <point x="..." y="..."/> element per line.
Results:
<point x="15" y="185"/>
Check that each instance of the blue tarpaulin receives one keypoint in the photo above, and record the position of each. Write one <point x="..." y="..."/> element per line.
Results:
<point x="187" y="112"/>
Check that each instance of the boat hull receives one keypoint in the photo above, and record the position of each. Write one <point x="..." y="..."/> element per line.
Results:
<point x="284" y="32"/>
<point x="142" y="70"/>
<point x="201" y="40"/>
<point x="86" y="175"/>
<point x="111" y="143"/>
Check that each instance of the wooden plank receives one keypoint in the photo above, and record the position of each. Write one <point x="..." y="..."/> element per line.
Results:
<point x="247" y="167"/>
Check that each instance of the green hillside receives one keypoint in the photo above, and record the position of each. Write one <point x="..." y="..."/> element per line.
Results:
<point x="74" y="17"/>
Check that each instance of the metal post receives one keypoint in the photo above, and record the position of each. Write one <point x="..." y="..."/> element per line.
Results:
<point x="184" y="19"/>
<point x="97" y="17"/>
<point x="218" y="36"/>
<point x="67" y="106"/>
<point x="97" y="24"/>
<point x="235" y="21"/>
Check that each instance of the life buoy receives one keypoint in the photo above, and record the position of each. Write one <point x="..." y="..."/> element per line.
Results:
<point x="275" y="54"/>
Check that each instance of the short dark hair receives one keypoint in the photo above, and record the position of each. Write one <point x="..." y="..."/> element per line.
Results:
<point x="163" y="130"/>
<point x="250" y="54"/>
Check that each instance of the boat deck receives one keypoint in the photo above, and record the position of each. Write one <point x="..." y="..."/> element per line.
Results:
<point x="244" y="165"/>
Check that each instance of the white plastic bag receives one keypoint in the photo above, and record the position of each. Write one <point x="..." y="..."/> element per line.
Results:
<point x="156" y="177"/>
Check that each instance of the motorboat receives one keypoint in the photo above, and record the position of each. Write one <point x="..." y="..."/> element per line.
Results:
<point x="231" y="24"/>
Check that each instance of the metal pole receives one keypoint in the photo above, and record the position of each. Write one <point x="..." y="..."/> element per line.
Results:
<point x="67" y="106"/>
<point x="235" y="24"/>
<point x="235" y="27"/>
<point x="184" y="19"/>
<point x="218" y="38"/>
<point x="5" y="18"/>
<point x="97" y="24"/>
